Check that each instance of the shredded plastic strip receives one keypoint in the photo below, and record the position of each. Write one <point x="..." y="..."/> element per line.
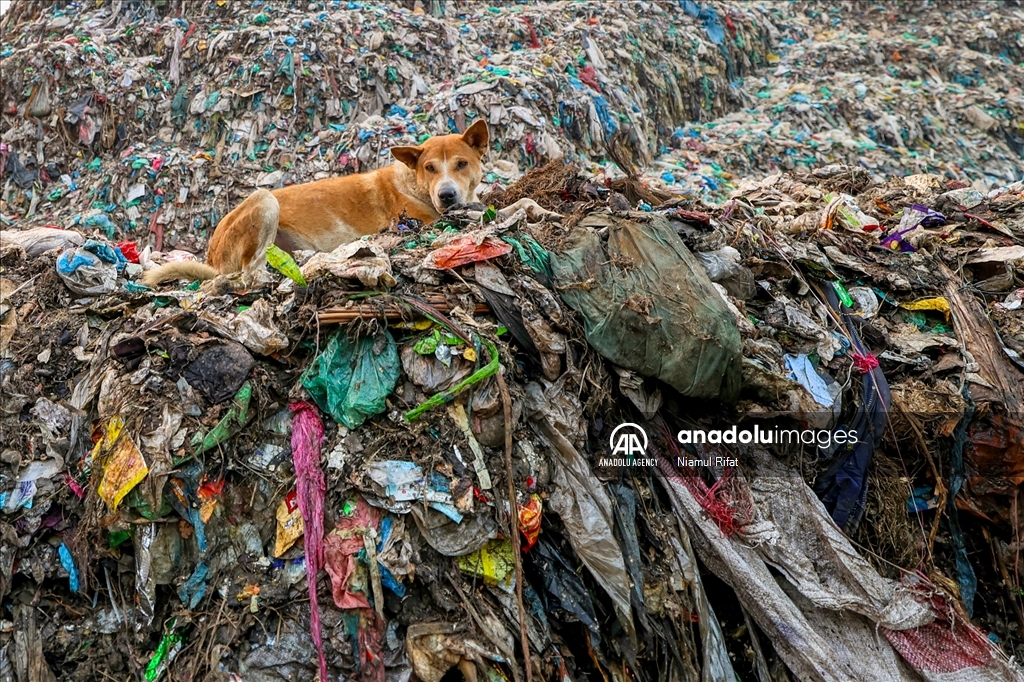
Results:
<point x="307" y="435"/>
<point x="730" y="508"/>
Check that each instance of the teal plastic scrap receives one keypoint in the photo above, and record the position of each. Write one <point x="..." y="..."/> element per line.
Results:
<point x="351" y="379"/>
<point x="532" y="254"/>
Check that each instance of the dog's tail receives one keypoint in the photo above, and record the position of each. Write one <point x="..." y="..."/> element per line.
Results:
<point x="190" y="270"/>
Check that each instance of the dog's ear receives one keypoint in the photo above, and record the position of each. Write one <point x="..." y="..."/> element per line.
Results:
<point x="477" y="136"/>
<point x="410" y="156"/>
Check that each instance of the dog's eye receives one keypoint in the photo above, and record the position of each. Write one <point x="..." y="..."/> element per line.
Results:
<point x="430" y="168"/>
<point x="461" y="165"/>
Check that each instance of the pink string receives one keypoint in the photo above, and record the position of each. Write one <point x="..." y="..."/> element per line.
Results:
<point x="307" y="435"/>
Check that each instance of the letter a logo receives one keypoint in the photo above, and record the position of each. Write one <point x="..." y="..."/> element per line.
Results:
<point x="628" y="442"/>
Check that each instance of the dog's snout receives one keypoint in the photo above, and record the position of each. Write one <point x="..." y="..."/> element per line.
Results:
<point x="447" y="196"/>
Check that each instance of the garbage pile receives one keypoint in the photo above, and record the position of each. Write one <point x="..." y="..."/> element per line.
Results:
<point x="936" y="90"/>
<point x="143" y="118"/>
<point x="399" y="459"/>
<point x="716" y="422"/>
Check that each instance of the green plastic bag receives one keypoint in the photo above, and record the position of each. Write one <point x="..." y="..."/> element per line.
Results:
<point x="648" y="305"/>
<point x="351" y="379"/>
<point x="532" y="254"/>
<point x="285" y="264"/>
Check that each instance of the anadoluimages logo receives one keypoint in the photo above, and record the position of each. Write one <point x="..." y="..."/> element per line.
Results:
<point x="626" y="440"/>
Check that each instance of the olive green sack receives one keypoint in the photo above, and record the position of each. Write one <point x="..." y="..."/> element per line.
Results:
<point x="648" y="304"/>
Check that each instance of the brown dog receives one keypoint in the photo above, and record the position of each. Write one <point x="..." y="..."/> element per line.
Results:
<point x="442" y="172"/>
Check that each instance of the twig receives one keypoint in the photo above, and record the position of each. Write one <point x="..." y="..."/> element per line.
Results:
<point x="940" y="487"/>
<point x="506" y="401"/>
<point x="389" y="311"/>
<point x="487" y="632"/>
<point x="506" y="404"/>
<point x="22" y="286"/>
<point x="998" y="553"/>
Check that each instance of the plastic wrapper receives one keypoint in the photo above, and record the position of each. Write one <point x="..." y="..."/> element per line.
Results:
<point x="492" y="563"/>
<point x="530" y="516"/>
<point x="237" y="416"/>
<point x="122" y="463"/>
<point x="145" y="581"/>
<point x="39" y="240"/>
<point x="166" y="651"/>
<point x="289" y="524"/>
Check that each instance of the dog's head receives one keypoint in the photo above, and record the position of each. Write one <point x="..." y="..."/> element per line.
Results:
<point x="448" y="167"/>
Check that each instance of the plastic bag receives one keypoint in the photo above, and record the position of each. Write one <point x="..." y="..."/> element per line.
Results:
<point x="866" y="301"/>
<point x="350" y="380"/>
<point x="39" y="240"/>
<point x="465" y="250"/>
<point x="219" y="370"/>
<point x="579" y="499"/>
<point x="85" y="273"/>
<point x="349" y="584"/>
<point x="40" y="101"/>
<point x="285" y="264"/>
<point x="254" y="328"/>
<point x="360" y="260"/>
<point x="107" y="253"/>
<point x="648" y="305"/>
<point x="130" y="250"/>
<point x="429" y="373"/>
<point x="310" y="488"/>
<point x="532" y="254"/>
<point x="723" y="267"/>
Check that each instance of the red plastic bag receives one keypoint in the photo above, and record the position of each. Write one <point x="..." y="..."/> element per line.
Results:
<point x="130" y="251"/>
<point x="529" y="521"/>
<point x="340" y="550"/>
<point x="464" y="250"/>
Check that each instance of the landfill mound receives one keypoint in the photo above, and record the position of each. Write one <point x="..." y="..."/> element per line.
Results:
<point x="185" y="116"/>
<point x="493" y="447"/>
<point x="937" y="90"/>
<point x="162" y="116"/>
